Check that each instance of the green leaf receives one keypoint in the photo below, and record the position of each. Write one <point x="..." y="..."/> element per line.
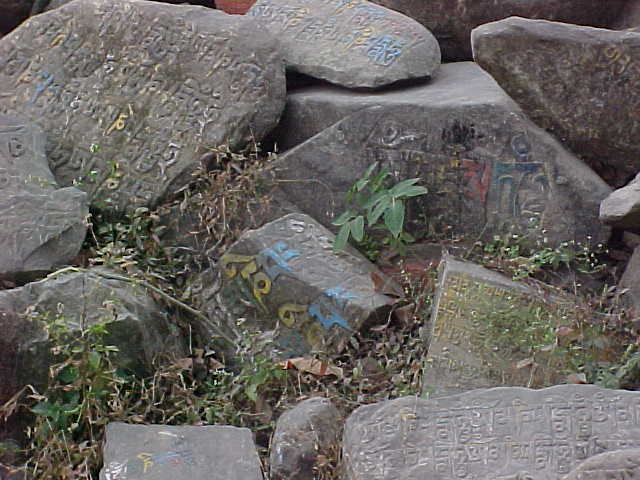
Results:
<point x="413" y="191"/>
<point x="407" y="188"/>
<point x="252" y="392"/>
<point x="95" y="360"/>
<point x="344" y="218"/>
<point x="341" y="239"/>
<point x="383" y="204"/>
<point x="357" y="228"/>
<point x="374" y="199"/>
<point x="394" y="218"/>
<point x="370" y="170"/>
<point x="68" y="375"/>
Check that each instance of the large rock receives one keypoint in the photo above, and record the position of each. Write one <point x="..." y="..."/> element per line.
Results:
<point x="163" y="452"/>
<point x="41" y="226"/>
<point x="452" y="21"/>
<point x="580" y="83"/>
<point x="285" y="278"/>
<point x="355" y="44"/>
<point x="630" y="284"/>
<point x="487" y="167"/>
<point x="131" y="93"/>
<point x="623" y="464"/>
<point x="498" y="434"/>
<point x="621" y="209"/>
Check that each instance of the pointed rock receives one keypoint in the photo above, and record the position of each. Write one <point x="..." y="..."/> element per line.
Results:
<point x="621" y="209"/>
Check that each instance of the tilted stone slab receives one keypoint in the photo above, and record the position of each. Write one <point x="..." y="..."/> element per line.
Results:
<point x="163" y="452"/>
<point x="41" y="226"/>
<point x="477" y="335"/>
<point x="353" y="43"/>
<point x="495" y="434"/>
<point x="131" y="93"/>
<point x="487" y="167"/>
<point x="581" y="83"/>
<point x="621" y="209"/>
<point x="620" y="464"/>
<point x="298" y="287"/>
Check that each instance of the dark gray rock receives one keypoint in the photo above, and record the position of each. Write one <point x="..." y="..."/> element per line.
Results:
<point x="41" y="226"/>
<point x="621" y="209"/>
<point x="630" y="284"/>
<point x="131" y="93"/>
<point x="487" y="167"/>
<point x="498" y="434"/>
<point x="12" y="13"/>
<point x="286" y="278"/>
<point x="580" y="83"/>
<point x="452" y="21"/>
<point x="163" y="452"/>
<point x="356" y="44"/>
<point x="629" y="17"/>
<point x="622" y="464"/>
<point x="310" y="429"/>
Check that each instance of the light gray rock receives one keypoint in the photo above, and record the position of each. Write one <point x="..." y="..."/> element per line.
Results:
<point x="163" y="452"/>
<point x="622" y="464"/>
<point x="580" y="83"/>
<point x="356" y="43"/>
<point x="132" y="93"/>
<point x="498" y="434"/>
<point x="621" y="208"/>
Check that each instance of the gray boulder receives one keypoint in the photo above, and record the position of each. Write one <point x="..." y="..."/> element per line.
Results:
<point x="621" y="464"/>
<point x="630" y="284"/>
<point x="621" y="209"/>
<point x="580" y="83"/>
<point x="132" y="93"/>
<point x="354" y="44"/>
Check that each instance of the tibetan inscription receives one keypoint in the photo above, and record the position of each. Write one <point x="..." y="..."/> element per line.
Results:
<point x="130" y="94"/>
<point x="493" y="434"/>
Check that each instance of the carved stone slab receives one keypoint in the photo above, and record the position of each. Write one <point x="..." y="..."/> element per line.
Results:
<point x="621" y="464"/>
<point x="354" y="43"/>
<point x="130" y="93"/>
<point x="296" y="285"/>
<point x="41" y="226"/>
<point x="477" y="322"/>
<point x="162" y="452"/>
<point x="487" y="167"/>
<point x="495" y="434"/>
<point x="580" y="83"/>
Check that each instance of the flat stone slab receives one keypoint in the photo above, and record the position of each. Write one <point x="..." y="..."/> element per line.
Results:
<point x="131" y="93"/>
<point x="298" y="287"/>
<point x="354" y="43"/>
<point x="621" y="209"/>
<point x="495" y="434"/>
<point x="477" y="332"/>
<point x="162" y="452"/>
<point x="581" y="83"/>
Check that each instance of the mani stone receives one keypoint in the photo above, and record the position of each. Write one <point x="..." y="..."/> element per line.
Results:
<point x="163" y="452"/>
<point x="298" y="288"/>
<point x="354" y="43"/>
<point x="617" y="465"/>
<point x="621" y="209"/>
<point x="478" y="324"/>
<point x="487" y="167"/>
<point x="132" y="93"/>
<point x="506" y="433"/>
<point x="580" y="83"/>
<point x="41" y="225"/>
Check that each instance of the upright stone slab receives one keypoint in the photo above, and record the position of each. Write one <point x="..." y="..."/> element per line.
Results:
<point x="163" y="452"/>
<point x="478" y="332"/>
<point x="41" y="226"/>
<point x="498" y="434"/>
<point x="131" y="93"/>
<point x="298" y="287"/>
<point x="354" y="43"/>
<point x="580" y="83"/>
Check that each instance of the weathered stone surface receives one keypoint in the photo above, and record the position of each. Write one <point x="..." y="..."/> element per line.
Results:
<point x="131" y="93"/>
<point x="487" y="167"/>
<point x="355" y="44"/>
<point x="41" y="226"/>
<point x="162" y="452"/>
<point x="477" y="321"/>
<point x="621" y="209"/>
<point x="581" y="83"/>
<point x="298" y="287"/>
<point x="622" y="464"/>
<point x="498" y="434"/>
<point x="630" y="283"/>
<point x="451" y="22"/>
<point x="309" y="429"/>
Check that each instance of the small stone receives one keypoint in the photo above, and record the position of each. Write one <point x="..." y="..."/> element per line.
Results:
<point x="621" y="209"/>
<point x="622" y="464"/>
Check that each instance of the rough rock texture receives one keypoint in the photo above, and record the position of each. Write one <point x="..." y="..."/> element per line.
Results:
<point x="298" y="288"/>
<point x="452" y="21"/>
<point x="621" y="464"/>
<point x="163" y="452"/>
<point x="621" y="209"/>
<point x="310" y="429"/>
<point x="356" y="44"/>
<point x="131" y="93"/>
<point x="487" y="167"/>
<point x="580" y="83"/>
<point x="498" y="434"/>
<point x="630" y="282"/>
<point x="41" y="226"/>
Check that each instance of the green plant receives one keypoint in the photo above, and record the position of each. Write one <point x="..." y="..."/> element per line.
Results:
<point x="370" y="200"/>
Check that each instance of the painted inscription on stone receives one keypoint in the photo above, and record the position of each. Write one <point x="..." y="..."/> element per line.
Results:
<point x="503" y="433"/>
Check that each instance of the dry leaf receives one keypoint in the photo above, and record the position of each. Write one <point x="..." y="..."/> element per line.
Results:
<point x="577" y="378"/>
<point x="527" y="362"/>
<point x="313" y="366"/>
